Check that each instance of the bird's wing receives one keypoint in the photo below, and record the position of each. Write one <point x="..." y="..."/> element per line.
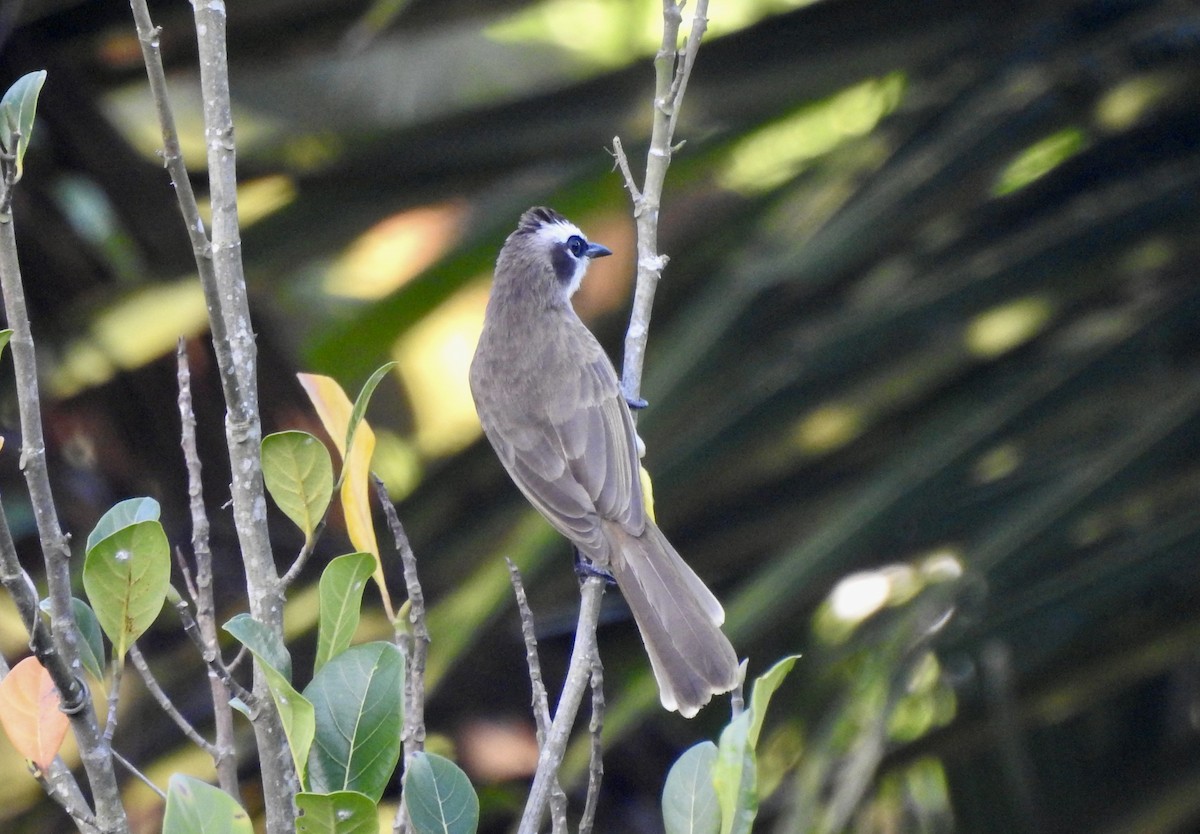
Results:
<point x="577" y="463"/>
<point x="600" y="442"/>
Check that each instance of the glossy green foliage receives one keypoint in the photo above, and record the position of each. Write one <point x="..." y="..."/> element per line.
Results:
<point x="689" y="800"/>
<point x="439" y="797"/>
<point x="340" y="812"/>
<point x="298" y="473"/>
<point x="126" y="576"/>
<point x="195" y="807"/>
<point x="341" y="590"/>
<point x="358" y="701"/>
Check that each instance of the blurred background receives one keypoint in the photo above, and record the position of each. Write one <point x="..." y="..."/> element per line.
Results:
<point x="924" y="370"/>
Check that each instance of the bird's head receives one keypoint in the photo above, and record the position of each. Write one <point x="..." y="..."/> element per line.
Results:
<point x="548" y="249"/>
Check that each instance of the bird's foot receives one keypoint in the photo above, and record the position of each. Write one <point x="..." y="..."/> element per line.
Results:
<point x="636" y="403"/>
<point x="585" y="568"/>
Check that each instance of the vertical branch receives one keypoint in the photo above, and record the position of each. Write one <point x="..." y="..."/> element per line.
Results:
<point x="62" y="650"/>
<point x="596" y="762"/>
<point x="219" y="265"/>
<point x="59" y="783"/>
<point x="413" y="638"/>
<point x="671" y="73"/>
<point x="541" y="702"/>
<point x="224" y="748"/>
<point x="579" y="672"/>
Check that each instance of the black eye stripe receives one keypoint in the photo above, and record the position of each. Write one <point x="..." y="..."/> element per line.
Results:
<point x="564" y="264"/>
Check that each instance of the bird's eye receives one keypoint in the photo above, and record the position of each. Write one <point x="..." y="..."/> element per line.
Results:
<point x="577" y="245"/>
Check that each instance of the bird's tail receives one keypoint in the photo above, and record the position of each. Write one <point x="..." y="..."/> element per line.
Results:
<point x="678" y="617"/>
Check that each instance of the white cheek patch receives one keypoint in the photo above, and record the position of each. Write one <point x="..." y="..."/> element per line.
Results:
<point x="553" y="233"/>
<point x="555" y="236"/>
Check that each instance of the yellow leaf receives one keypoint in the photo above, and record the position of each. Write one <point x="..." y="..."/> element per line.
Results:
<point x="29" y="712"/>
<point x="334" y="408"/>
<point x="332" y="405"/>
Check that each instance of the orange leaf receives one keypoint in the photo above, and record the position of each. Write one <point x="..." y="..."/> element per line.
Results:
<point x="29" y="712"/>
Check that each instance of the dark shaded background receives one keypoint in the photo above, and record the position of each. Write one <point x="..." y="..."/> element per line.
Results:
<point x="943" y="337"/>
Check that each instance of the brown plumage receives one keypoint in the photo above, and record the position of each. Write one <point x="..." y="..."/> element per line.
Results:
<point x="550" y="404"/>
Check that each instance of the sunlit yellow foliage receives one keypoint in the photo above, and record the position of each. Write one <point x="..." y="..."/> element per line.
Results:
<point x="777" y="152"/>
<point x="1000" y="329"/>
<point x="129" y="333"/>
<point x="610" y="33"/>
<point x="1039" y="159"/>
<point x="394" y="251"/>
<point x="397" y="462"/>
<point x="828" y="427"/>
<point x="1126" y="103"/>
<point x="861" y="595"/>
<point x="997" y="463"/>
<point x="434" y="357"/>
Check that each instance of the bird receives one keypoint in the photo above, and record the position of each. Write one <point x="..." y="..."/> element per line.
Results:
<point x="551" y="406"/>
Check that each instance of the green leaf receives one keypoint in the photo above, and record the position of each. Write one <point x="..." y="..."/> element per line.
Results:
<point x="764" y="687"/>
<point x="17" y="110"/>
<point x="91" y="647"/>
<point x="341" y="590"/>
<point x="123" y="514"/>
<point x="295" y="711"/>
<point x="689" y="801"/>
<point x="266" y="644"/>
<point x="364" y="397"/>
<point x="358" y="701"/>
<point x="5" y="336"/>
<point x="340" y="812"/>
<point x="439" y="797"/>
<point x="126" y="577"/>
<point x="297" y="715"/>
<point x="735" y="777"/>
<point x="195" y="807"/>
<point x="298" y="473"/>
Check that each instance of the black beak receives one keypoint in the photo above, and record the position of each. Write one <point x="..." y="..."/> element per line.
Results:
<point x="595" y="250"/>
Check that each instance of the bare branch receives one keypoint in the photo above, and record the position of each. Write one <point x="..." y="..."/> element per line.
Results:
<point x="137" y="774"/>
<point x="61" y="787"/>
<point x="164" y="702"/>
<point x="413" y="638"/>
<point x="302" y="557"/>
<point x="219" y="265"/>
<point x="578" y="675"/>
<point x="224" y="748"/>
<point x="541" y="701"/>
<point x="211" y="654"/>
<point x="596" y="761"/>
<point x="671" y="71"/>
<point x="114" y="699"/>
<point x="60" y="653"/>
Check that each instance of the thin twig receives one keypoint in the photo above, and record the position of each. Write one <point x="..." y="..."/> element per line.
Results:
<point x="137" y="774"/>
<point x="413" y="638"/>
<point x="306" y="551"/>
<point x="671" y="71"/>
<point x="541" y="701"/>
<point x="578" y="675"/>
<point x="212" y="658"/>
<point x="596" y="762"/>
<point x="59" y="653"/>
<point x="671" y="76"/>
<point x="224" y="748"/>
<point x="114" y="699"/>
<point x="219" y="264"/>
<point x="164" y="702"/>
